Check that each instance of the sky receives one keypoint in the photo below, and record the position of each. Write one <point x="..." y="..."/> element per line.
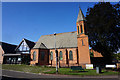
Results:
<point x="30" y="20"/>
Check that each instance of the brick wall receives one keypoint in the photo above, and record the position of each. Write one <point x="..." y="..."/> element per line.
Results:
<point x="1" y="53"/>
<point x="37" y="54"/>
<point x="65" y="62"/>
<point x="95" y="53"/>
<point x="83" y="45"/>
<point x="83" y="50"/>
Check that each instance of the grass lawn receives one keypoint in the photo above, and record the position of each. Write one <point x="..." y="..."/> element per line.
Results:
<point x="26" y="68"/>
<point x="68" y="71"/>
<point x="48" y="70"/>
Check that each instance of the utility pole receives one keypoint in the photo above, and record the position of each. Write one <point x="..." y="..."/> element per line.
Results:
<point x="56" y="54"/>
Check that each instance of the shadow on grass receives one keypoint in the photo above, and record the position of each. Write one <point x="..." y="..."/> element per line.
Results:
<point x="77" y="71"/>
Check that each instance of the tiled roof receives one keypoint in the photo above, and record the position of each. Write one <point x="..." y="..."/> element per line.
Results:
<point x="30" y="43"/>
<point x="63" y="40"/>
<point x="8" y="48"/>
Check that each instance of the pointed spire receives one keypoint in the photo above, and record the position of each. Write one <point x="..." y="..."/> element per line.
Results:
<point x="80" y="16"/>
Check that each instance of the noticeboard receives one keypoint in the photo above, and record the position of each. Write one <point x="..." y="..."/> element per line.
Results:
<point x="89" y="66"/>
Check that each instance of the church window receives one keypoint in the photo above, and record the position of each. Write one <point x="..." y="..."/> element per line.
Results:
<point x="78" y="29"/>
<point x="34" y="55"/>
<point x="51" y="55"/>
<point x="60" y="55"/>
<point x="42" y="55"/>
<point x="81" y="29"/>
<point x="70" y="55"/>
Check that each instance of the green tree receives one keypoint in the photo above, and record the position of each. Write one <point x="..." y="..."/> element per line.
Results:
<point x="103" y="28"/>
<point x="117" y="56"/>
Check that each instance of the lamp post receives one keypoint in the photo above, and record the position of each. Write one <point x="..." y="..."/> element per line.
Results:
<point x="56" y="54"/>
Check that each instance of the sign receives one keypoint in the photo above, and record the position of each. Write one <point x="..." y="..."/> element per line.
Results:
<point x="110" y="66"/>
<point x="89" y="66"/>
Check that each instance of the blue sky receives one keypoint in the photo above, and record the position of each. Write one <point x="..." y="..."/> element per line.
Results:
<point x="30" y="20"/>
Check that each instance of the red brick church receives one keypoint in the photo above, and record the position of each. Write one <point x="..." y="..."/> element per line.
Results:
<point x="72" y="48"/>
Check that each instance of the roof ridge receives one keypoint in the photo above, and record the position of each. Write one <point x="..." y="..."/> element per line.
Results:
<point x="59" y="33"/>
<point x="7" y="43"/>
<point x="28" y="40"/>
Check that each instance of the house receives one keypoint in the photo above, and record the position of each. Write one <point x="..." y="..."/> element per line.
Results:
<point x="24" y="49"/>
<point x="7" y="53"/>
<point x="13" y="54"/>
<point x="72" y="48"/>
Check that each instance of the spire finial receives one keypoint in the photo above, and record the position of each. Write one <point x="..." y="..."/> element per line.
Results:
<point x="79" y="6"/>
<point x="80" y="15"/>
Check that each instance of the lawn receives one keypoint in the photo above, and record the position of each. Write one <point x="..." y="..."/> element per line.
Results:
<point x="48" y="70"/>
<point x="26" y="68"/>
<point x="68" y="71"/>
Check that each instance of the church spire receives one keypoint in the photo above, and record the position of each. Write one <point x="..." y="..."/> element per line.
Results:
<point x="80" y="16"/>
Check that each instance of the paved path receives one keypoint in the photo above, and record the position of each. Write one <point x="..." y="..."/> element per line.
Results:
<point x="16" y="75"/>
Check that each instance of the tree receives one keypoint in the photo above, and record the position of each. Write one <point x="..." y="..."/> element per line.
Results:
<point x="117" y="57"/>
<point x="103" y="28"/>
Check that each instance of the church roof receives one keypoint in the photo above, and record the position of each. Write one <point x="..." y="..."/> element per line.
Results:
<point x="81" y="16"/>
<point x="42" y="46"/>
<point x="63" y="40"/>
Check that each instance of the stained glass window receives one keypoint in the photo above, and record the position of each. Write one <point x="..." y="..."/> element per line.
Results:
<point x="70" y="55"/>
<point x="60" y="55"/>
<point x="34" y="55"/>
<point x="51" y="55"/>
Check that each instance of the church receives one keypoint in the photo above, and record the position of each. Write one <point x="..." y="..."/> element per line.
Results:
<point x="71" y="48"/>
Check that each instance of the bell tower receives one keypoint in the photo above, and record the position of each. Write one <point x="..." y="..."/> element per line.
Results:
<point x="82" y="40"/>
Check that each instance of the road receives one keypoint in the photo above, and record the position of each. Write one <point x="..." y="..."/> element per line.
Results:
<point x="16" y="75"/>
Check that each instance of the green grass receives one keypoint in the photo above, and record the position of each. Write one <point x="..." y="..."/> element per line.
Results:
<point x="27" y="68"/>
<point x="68" y="71"/>
<point x="48" y="70"/>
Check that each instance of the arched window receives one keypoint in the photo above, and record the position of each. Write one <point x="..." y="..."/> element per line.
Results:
<point x="34" y="55"/>
<point x="78" y="29"/>
<point x="70" y="55"/>
<point x="51" y="55"/>
<point x="81" y="29"/>
<point x="60" y="55"/>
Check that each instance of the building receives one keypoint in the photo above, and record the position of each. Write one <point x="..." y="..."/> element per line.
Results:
<point x="13" y="54"/>
<point x="72" y="48"/>
<point x="95" y="53"/>
<point x="24" y="49"/>
<point x="7" y="53"/>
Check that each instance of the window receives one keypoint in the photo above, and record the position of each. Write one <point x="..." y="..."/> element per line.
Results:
<point x="60" y="55"/>
<point x="82" y="43"/>
<point x="42" y="55"/>
<point x="78" y="29"/>
<point x="34" y="55"/>
<point x="81" y="29"/>
<point x="23" y="47"/>
<point x="70" y="55"/>
<point x="51" y="55"/>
